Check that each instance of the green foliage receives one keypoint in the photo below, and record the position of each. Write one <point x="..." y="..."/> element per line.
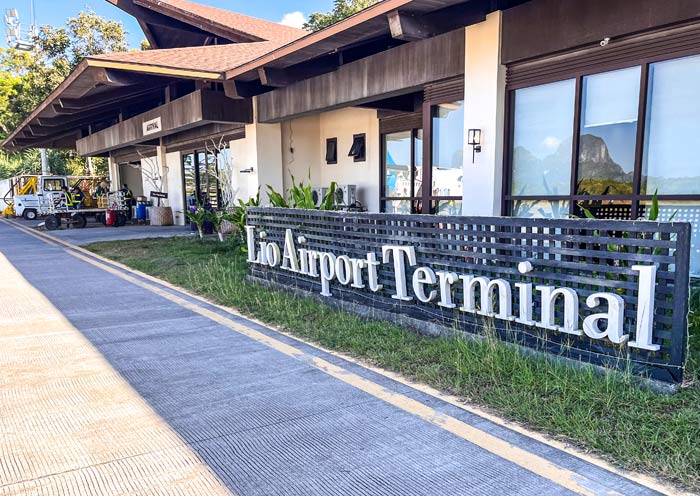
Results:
<point x="238" y="216"/>
<point x="28" y="77"/>
<point x="341" y="10"/>
<point x="90" y="34"/>
<point x="328" y="202"/>
<point x="276" y="199"/>
<point x="604" y="413"/>
<point x="301" y="196"/>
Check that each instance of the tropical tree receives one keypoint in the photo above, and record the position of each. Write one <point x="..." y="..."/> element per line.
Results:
<point x="341" y="10"/>
<point x="28" y="77"/>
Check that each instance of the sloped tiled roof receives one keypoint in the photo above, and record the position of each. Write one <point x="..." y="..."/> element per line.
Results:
<point x="259" y="28"/>
<point x="207" y="58"/>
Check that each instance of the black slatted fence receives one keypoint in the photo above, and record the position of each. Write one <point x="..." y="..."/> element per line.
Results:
<point x="588" y="256"/>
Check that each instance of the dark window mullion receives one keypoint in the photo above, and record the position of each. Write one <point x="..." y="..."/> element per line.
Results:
<point x="412" y="164"/>
<point x="576" y="142"/>
<point x="427" y="156"/>
<point x="197" y="179"/>
<point x="508" y="129"/>
<point x="641" y="131"/>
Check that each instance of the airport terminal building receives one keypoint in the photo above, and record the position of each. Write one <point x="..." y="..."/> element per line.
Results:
<point x="539" y="108"/>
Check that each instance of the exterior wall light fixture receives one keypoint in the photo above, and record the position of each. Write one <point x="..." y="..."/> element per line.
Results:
<point x="474" y="140"/>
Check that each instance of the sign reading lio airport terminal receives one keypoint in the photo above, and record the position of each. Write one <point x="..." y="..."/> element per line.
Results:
<point x="560" y="288"/>
<point x="495" y="296"/>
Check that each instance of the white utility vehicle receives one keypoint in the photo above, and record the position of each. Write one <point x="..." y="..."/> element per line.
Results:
<point x="32" y="205"/>
<point x="26" y="195"/>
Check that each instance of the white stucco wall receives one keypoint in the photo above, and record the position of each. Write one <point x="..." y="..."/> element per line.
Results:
<point x="132" y="177"/>
<point x="302" y="153"/>
<point x="484" y="109"/>
<point x="307" y="137"/>
<point x="261" y="151"/>
<point x="175" y="182"/>
<point x="343" y="124"/>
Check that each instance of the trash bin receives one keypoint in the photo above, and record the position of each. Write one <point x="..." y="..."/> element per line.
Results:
<point x="141" y="209"/>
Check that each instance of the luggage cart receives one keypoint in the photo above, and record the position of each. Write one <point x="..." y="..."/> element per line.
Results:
<point x="59" y="213"/>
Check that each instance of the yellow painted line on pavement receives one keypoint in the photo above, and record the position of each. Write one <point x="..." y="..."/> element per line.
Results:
<point x="568" y="479"/>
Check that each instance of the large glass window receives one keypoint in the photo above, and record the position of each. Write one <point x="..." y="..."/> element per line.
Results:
<point x="589" y="127"/>
<point x="409" y="184"/>
<point x="189" y="166"/>
<point x="201" y="178"/>
<point x="671" y="162"/>
<point x="447" y="149"/>
<point x="608" y="134"/>
<point x="402" y="171"/>
<point x="542" y="139"/>
<point x="399" y="165"/>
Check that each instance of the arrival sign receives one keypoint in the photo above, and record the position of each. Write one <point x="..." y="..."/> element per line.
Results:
<point x="543" y="285"/>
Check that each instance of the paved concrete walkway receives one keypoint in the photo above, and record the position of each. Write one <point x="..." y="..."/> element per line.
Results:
<point x="96" y="232"/>
<point x="112" y="383"/>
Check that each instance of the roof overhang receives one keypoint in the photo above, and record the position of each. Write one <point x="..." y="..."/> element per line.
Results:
<point x="95" y="95"/>
<point x="384" y="25"/>
<point x="193" y="110"/>
<point x="177" y="24"/>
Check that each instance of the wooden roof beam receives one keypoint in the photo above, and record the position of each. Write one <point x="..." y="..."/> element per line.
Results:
<point x="147" y="18"/>
<point x="123" y="96"/>
<point x="407" y="27"/>
<point x="36" y="142"/>
<point x="79" y="120"/>
<point x="244" y="89"/>
<point x="277" y="78"/>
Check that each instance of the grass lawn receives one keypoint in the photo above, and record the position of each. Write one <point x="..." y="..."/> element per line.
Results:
<point x="609" y="415"/>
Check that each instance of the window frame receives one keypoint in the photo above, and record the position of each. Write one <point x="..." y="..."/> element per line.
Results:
<point x="427" y="198"/>
<point x="334" y="143"/>
<point x="196" y="165"/>
<point x="636" y="197"/>
<point x="359" y="155"/>
<point x="382" y="171"/>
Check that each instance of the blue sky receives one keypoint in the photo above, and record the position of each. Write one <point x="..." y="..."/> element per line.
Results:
<point x="55" y="12"/>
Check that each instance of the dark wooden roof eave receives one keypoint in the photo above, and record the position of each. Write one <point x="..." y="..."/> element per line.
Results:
<point x="83" y="99"/>
<point x="195" y="21"/>
<point x="366" y="26"/>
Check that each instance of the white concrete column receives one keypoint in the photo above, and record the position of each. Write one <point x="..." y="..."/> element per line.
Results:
<point x="162" y="158"/>
<point x="257" y="161"/>
<point x="484" y="103"/>
<point x="175" y="184"/>
<point x="113" y="172"/>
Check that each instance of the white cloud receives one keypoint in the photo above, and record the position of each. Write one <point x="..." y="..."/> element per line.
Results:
<point x="551" y="143"/>
<point x="294" y="19"/>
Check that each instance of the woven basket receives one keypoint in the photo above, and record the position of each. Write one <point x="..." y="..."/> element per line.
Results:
<point x="161" y="216"/>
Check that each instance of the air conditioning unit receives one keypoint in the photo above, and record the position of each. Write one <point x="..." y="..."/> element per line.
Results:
<point x="345" y="195"/>
<point x="318" y="194"/>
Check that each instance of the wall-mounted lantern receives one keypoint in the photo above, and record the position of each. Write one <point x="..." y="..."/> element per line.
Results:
<point x="474" y="140"/>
